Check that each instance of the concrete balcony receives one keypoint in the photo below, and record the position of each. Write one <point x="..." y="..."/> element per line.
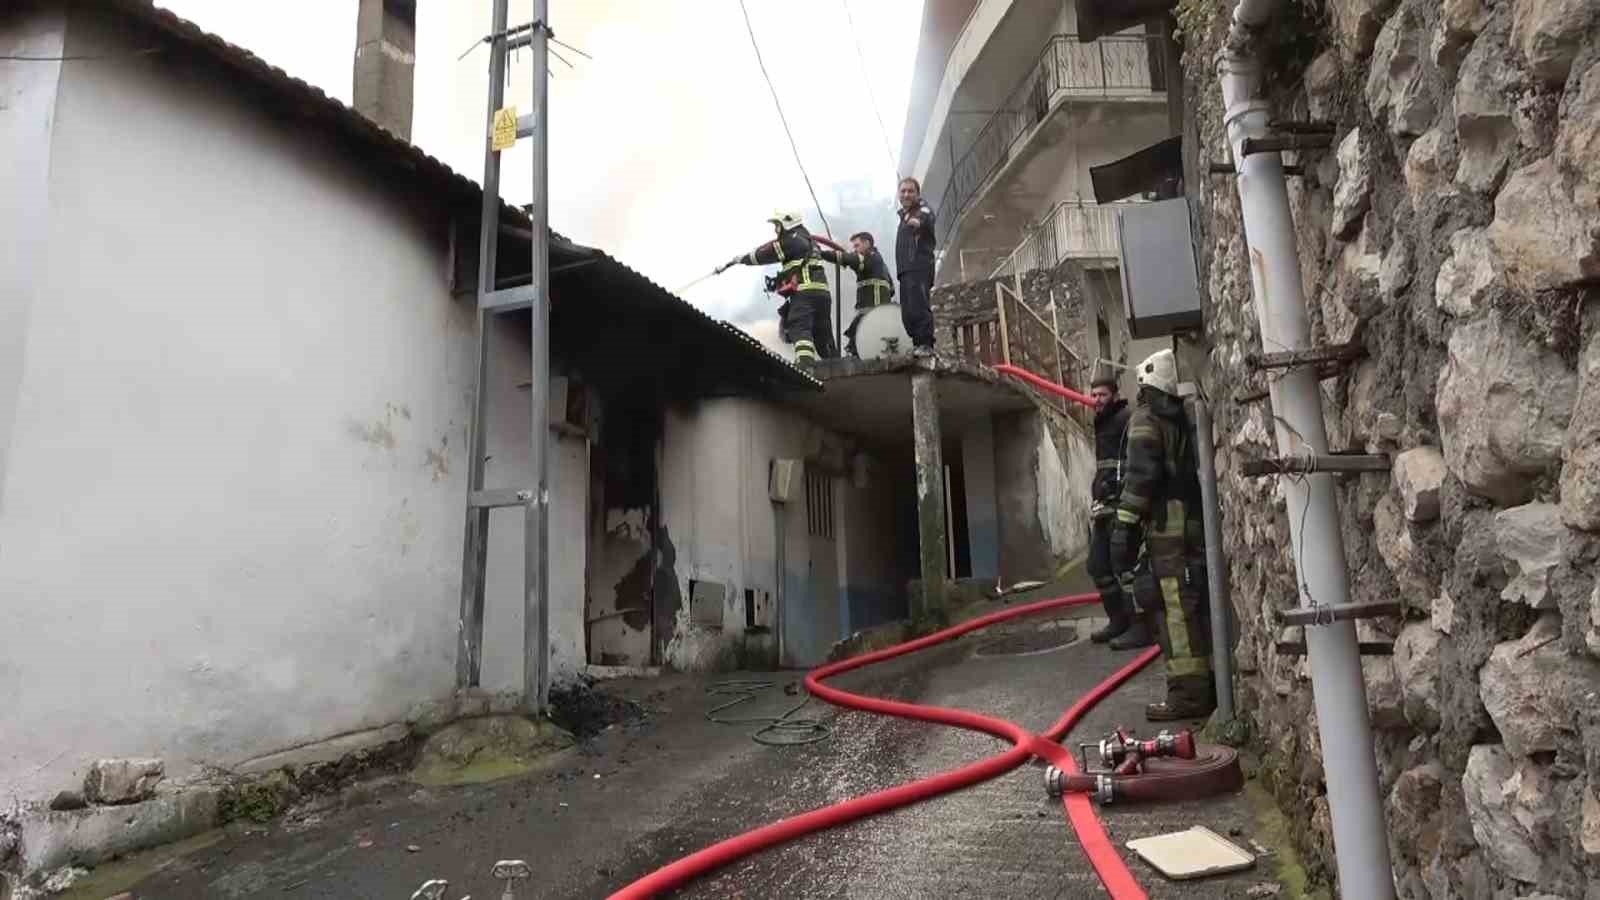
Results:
<point x="1079" y="105"/>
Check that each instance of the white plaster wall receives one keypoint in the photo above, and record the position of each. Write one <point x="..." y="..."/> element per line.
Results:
<point x="1064" y="490"/>
<point x="510" y="411"/>
<point x="716" y="507"/>
<point x="233" y="492"/>
<point x="27" y="115"/>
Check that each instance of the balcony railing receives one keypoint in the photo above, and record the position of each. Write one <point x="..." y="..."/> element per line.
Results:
<point x="1071" y="230"/>
<point x="1113" y="66"/>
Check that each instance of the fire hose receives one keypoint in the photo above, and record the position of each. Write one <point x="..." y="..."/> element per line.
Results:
<point x="1108" y="864"/>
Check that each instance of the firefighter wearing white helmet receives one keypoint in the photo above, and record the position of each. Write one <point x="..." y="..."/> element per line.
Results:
<point x="1159" y="508"/>
<point x="802" y="281"/>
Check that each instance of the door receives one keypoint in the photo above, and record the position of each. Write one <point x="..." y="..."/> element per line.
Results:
<point x="813" y="625"/>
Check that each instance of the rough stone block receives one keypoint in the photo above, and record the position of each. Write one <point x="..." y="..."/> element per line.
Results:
<point x="1532" y="689"/>
<point x="1578" y="141"/>
<point x="1418" y="580"/>
<point x="114" y="781"/>
<point x="1352" y="196"/>
<point x="1443" y="612"/>
<point x="1580" y="472"/>
<point x="1416" y="661"/>
<point x="1357" y="23"/>
<point x="1466" y="275"/>
<point x="1504" y="405"/>
<point x="50" y="840"/>
<point x="1497" y="792"/>
<point x="1547" y="233"/>
<point x="1418" y="475"/>
<point x="1532" y="541"/>
<point x="1414" y="814"/>
<point x="1396" y="92"/>
<point x="1550" y="33"/>
<point x="1429" y="158"/>
<point x="1485" y="132"/>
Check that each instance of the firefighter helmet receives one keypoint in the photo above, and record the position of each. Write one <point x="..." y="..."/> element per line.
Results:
<point x="1160" y="371"/>
<point x="786" y="219"/>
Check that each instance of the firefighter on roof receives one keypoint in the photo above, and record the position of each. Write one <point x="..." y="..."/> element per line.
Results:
<point x="873" y="286"/>
<point x="1159" y="507"/>
<point x="802" y="282"/>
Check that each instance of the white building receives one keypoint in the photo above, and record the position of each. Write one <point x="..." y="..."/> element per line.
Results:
<point x="1012" y="103"/>
<point x="236" y="364"/>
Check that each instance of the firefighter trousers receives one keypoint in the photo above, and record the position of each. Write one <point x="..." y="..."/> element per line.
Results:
<point x="808" y="324"/>
<point x="1174" y="601"/>
<point x="1117" y="606"/>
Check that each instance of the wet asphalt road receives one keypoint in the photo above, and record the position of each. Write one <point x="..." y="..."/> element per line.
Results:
<point x="675" y="783"/>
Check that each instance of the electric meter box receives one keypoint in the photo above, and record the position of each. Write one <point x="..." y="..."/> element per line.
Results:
<point x="1160" y="284"/>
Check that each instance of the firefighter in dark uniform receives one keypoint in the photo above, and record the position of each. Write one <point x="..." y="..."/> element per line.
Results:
<point x="802" y="282"/>
<point x="1159" y="507"/>
<point x="873" y="287"/>
<point x="1110" y="431"/>
<point x="913" y="262"/>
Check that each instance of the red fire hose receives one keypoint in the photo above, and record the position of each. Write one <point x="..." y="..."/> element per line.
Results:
<point x="1108" y="863"/>
<point x="1044" y="384"/>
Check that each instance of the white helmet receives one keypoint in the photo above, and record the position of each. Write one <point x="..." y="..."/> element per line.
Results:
<point x="786" y="220"/>
<point x="1160" y="371"/>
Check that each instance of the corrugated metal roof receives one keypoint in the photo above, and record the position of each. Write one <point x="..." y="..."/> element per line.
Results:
<point x="365" y="135"/>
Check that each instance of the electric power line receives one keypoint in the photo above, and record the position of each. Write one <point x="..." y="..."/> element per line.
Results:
<point x="872" y="96"/>
<point x="775" y="102"/>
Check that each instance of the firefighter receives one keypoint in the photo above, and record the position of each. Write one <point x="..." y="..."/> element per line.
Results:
<point x="1159" y="507"/>
<point x="803" y="284"/>
<point x="1110" y="431"/>
<point x="873" y="287"/>
<point x="913" y="262"/>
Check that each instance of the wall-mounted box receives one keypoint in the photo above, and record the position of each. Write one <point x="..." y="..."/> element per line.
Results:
<point x="1160" y="283"/>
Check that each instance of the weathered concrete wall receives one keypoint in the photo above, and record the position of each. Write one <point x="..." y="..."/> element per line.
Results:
<point x="1043" y="465"/>
<point x="716" y="508"/>
<point x="872" y="583"/>
<point x="233" y="486"/>
<point x="1453" y="232"/>
<point x="28" y="96"/>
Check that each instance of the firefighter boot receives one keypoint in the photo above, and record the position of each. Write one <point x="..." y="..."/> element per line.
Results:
<point x="1137" y="636"/>
<point x="1188" y="697"/>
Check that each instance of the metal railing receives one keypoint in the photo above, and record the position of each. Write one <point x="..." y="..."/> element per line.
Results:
<point x="1113" y="66"/>
<point x="1070" y="230"/>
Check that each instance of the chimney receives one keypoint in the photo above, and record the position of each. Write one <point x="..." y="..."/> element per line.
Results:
<point x="386" y="42"/>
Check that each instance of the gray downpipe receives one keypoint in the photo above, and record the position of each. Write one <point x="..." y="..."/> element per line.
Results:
<point x="1216" y="581"/>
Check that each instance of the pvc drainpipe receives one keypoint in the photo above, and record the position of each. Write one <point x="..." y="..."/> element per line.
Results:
<point x="1355" y="801"/>
<point x="1216" y="583"/>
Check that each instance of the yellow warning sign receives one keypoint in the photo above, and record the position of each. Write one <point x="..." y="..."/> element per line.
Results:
<point x="505" y="128"/>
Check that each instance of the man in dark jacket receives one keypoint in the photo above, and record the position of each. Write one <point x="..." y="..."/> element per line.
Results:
<point x="1160" y="507"/>
<point x="913" y="261"/>
<point x="1110" y="430"/>
<point x="873" y="287"/>
<point x="802" y="281"/>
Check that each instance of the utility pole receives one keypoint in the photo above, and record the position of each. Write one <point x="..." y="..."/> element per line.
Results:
<point x="503" y="128"/>
<point x="536" y="612"/>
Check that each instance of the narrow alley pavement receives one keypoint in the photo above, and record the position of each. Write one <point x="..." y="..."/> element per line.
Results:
<point x="643" y="793"/>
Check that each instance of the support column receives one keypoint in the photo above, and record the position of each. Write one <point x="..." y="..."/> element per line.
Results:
<point x="983" y="510"/>
<point x="930" y="490"/>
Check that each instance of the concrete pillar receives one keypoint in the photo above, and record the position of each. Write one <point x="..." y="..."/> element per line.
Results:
<point x="386" y="46"/>
<point x="930" y="489"/>
<point x="983" y="516"/>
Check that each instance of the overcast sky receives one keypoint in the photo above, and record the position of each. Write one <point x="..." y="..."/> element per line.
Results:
<point x="666" y="150"/>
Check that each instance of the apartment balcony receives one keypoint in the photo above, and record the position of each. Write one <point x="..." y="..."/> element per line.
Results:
<point x="1078" y="105"/>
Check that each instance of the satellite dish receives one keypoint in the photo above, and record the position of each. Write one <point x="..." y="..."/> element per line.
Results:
<point x="881" y="333"/>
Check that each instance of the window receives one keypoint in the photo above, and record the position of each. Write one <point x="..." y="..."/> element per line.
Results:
<point x="819" y="505"/>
